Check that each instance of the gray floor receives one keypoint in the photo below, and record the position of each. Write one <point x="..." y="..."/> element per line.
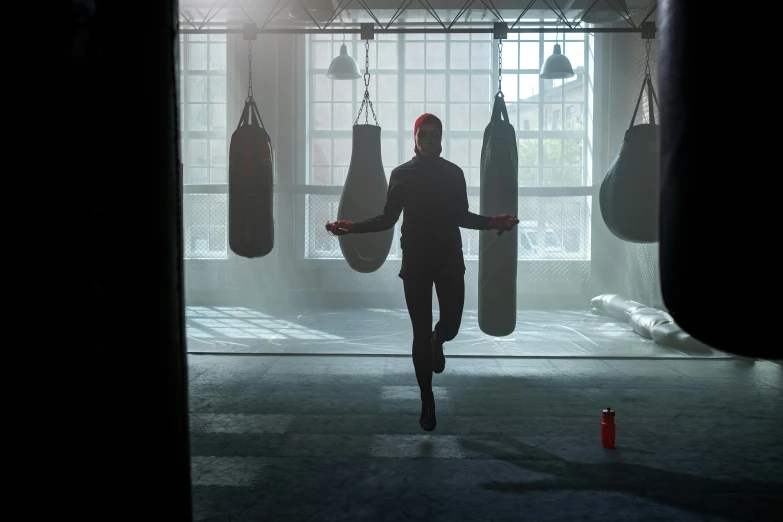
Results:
<point x="374" y="331"/>
<point x="322" y="438"/>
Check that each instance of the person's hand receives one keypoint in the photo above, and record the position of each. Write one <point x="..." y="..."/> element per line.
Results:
<point x="340" y="227"/>
<point x="504" y="222"/>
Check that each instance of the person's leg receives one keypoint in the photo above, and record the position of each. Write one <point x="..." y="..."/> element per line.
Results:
<point x="418" y="297"/>
<point x="451" y="300"/>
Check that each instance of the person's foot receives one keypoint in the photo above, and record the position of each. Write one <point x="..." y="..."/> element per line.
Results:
<point x="427" y="419"/>
<point x="438" y="359"/>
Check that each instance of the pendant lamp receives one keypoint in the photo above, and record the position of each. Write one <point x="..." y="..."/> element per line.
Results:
<point x="343" y="67"/>
<point x="557" y="66"/>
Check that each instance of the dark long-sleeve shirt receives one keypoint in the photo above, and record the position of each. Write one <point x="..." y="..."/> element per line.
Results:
<point x="433" y="193"/>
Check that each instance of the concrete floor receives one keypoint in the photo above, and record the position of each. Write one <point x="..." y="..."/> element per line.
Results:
<point x="336" y="438"/>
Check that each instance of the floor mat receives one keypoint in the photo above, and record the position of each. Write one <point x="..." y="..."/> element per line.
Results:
<point x="376" y="331"/>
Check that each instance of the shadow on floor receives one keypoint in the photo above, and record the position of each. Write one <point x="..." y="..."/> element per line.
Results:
<point x="742" y="500"/>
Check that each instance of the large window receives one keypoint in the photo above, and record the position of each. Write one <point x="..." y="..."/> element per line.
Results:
<point x="204" y="144"/>
<point x="455" y="77"/>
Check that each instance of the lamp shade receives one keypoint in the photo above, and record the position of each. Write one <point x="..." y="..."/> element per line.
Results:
<point x="343" y="67"/>
<point x="557" y="66"/>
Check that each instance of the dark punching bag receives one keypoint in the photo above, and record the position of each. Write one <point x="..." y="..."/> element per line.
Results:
<point x="497" y="292"/>
<point x="629" y="193"/>
<point x="364" y="196"/>
<point x="716" y="277"/>
<point x="251" y="231"/>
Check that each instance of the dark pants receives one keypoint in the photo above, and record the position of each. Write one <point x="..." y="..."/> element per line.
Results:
<point x="450" y="287"/>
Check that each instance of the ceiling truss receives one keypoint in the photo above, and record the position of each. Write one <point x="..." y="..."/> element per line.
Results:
<point x="199" y="20"/>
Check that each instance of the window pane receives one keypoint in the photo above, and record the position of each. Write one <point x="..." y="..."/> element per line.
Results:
<point x="479" y="116"/>
<point x="217" y="57"/>
<point x="528" y="86"/>
<point x="575" y="52"/>
<point x="510" y="55"/>
<point x="412" y="112"/>
<point x="198" y="176"/>
<point x="322" y="151"/>
<point x="387" y="115"/>
<point x="459" y="117"/>
<point x="438" y="109"/>
<point x="553" y="177"/>
<point x="572" y="152"/>
<point x="459" y="87"/>
<point x="553" y="90"/>
<point x="197" y="88"/>
<point x="322" y="116"/>
<point x="414" y="87"/>
<point x="321" y="87"/>
<point x="528" y="116"/>
<point x="511" y="108"/>
<point x="197" y="57"/>
<point x="459" y="152"/>
<point x="414" y="55"/>
<point x="344" y="116"/>
<point x="553" y="117"/>
<point x="572" y="177"/>
<point x="321" y="176"/>
<point x="218" y="117"/>
<point x="389" y="152"/>
<point x="197" y="150"/>
<point x="529" y="55"/>
<point x="387" y="87"/>
<point x="344" y="91"/>
<point x="217" y="152"/>
<point x="480" y="53"/>
<point x="436" y="87"/>
<point x="460" y="55"/>
<point x="528" y="177"/>
<point x="339" y="174"/>
<point x="321" y="55"/>
<point x="479" y="88"/>
<point x="387" y="55"/>
<point x="342" y="152"/>
<point x="528" y="152"/>
<point x="475" y="151"/>
<point x="217" y="175"/>
<point x="217" y="89"/>
<point x="436" y="55"/>
<point x="473" y="175"/>
<point x="510" y="87"/>
<point x="573" y="116"/>
<point x="553" y="153"/>
<point x="197" y="117"/>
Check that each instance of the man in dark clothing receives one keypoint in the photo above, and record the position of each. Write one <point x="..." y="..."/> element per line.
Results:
<point x="433" y="193"/>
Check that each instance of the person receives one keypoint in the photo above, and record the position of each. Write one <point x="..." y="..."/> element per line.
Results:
<point x="433" y="193"/>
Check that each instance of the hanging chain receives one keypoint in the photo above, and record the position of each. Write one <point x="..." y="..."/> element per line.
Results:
<point x="500" y="66"/>
<point x="647" y="66"/>
<point x="249" y="69"/>
<point x="366" y="100"/>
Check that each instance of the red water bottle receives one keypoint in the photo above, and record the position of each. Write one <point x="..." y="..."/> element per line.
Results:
<point x="607" y="429"/>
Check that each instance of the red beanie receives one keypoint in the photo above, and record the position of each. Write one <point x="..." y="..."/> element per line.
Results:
<point x="424" y="118"/>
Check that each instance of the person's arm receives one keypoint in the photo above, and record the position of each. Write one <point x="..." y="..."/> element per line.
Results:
<point x="391" y="211"/>
<point x="468" y="219"/>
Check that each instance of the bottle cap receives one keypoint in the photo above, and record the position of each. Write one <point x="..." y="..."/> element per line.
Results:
<point x="609" y="411"/>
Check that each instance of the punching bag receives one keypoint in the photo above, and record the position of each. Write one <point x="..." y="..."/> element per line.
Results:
<point x="364" y="196"/>
<point x="497" y="292"/>
<point x="250" y="186"/>
<point x="629" y="194"/>
<point x="717" y="276"/>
